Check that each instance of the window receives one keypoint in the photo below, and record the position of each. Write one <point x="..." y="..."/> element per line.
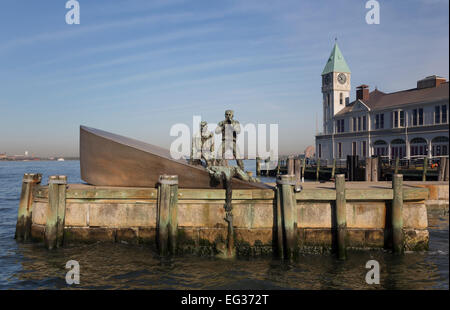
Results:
<point x="364" y="118"/>
<point x="420" y="117"/>
<point x="415" y="117"/>
<point x="377" y="121"/>
<point x="340" y="125"/>
<point x="341" y="99"/>
<point x="437" y="114"/>
<point x="359" y="123"/>
<point x="381" y="121"/>
<point x="354" y="124"/>
<point x="328" y="100"/>
<point x="340" y="150"/>
<point x="444" y="114"/>
<point x="364" y="149"/>
<point x="398" y="119"/>
<point x="320" y="150"/>
<point x="354" y="148"/>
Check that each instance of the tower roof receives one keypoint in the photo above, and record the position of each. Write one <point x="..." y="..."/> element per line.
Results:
<point x="336" y="62"/>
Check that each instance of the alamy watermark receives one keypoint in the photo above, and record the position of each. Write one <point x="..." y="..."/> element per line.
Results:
<point x="73" y="275"/>
<point x="226" y="141"/>
<point x="373" y="15"/>
<point x="373" y="275"/>
<point x="73" y="15"/>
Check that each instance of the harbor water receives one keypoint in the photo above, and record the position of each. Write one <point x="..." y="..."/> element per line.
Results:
<point x="124" y="266"/>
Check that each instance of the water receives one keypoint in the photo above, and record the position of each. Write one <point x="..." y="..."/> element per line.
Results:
<point x="122" y="266"/>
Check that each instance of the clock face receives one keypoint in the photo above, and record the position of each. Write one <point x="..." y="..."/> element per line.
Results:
<point x="342" y="78"/>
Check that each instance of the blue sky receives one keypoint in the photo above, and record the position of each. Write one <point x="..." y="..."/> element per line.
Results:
<point x="136" y="67"/>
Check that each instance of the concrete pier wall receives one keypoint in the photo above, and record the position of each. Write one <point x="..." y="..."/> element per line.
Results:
<point x="111" y="214"/>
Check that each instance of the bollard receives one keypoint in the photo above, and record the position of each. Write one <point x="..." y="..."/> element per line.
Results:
<point x="317" y="170"/>
<point x="167" y="214"/>
<point x="290" y="165"/>
<point x="23" y="226"/>
<point x="54" y="227"/>
<point x="303" y="169"/>
<point x="341" y="216"/>
<point x="374" y="166"/>
<point x="333" y="169"/>
<point x="425" y="168"/>
<point x="258" y="166"/>
<point x="285" y="185"/>
<point x="397" y="213"/>
<point x="298" y="169"/>
<point x="368" y="170"/>
<point x="397" y="163"/>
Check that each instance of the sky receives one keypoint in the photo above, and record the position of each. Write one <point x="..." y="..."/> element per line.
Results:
<point x="137" y="67"/>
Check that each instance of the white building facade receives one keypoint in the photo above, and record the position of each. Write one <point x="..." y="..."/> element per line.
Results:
<point x="407" y="124"/>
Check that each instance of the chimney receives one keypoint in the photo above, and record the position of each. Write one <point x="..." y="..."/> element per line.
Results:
<point x="430" y="81"/>
<point x="362" y="92"/>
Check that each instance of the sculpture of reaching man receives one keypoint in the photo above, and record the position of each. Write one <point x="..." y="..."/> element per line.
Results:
<point x="229" y="128"/>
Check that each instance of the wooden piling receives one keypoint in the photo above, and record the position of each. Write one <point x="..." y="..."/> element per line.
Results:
<point x="397" y="163"/>
<point x="318" y="170"/>
<point x="425" y="168"/>
<point x="167" y="214"/>
<point x="288" y="205"/>
<point x="333" y="169"/>
<point x="368" y="169"/>
<point x="280" y="242"/>
<point x="397" y="214"/>
<point x="341" y="216"/>
<point x="298" y="169"/>
<point x="446" y="169"/>
<point x="51" y="227"/>
<point x="258" y="166"/>
<point x="303" y="169"/>
<point x="374" y="166"/>
<point x="442" y="162"/>
<point x="23" y="226"/>
<point x="61" y="212"/>
<point x="290" y="165"/>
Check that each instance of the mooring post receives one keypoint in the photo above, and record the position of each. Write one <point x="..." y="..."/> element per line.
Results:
<point x="333" y="169"/>
<point x="397" y="213"/>
<point x="318" y="169"/>
<point x="167" y="214"/>
<point x="368" y="171"/>
<point x="303" y="169"/>
<point x="61" y="212"/>
<point x="290" y="165"/>
<point x="23" y="226"/>
<point x="397" y="163"/>
<point x="446" y="169"/>
<point x="288" y="212"/>
<point x="425" y="168"/>
<point x="280" y="242"/>
<point x="341" y="218"/>
<point x="51" y="227"/>
<point x="298" y="169"/>
<point x="374" y="166"/>
<point x="258" y="166"/>
<point x="442" y="161"/>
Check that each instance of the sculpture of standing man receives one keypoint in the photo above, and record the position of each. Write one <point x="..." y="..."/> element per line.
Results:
<point x="230" y="128"/>
<point x="203" y="147"/>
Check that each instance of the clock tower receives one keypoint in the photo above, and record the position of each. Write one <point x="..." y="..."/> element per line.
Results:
<point x="335" y="88"/>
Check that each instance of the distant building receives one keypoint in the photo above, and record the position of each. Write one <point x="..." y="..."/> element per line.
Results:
<point x="3" y="156"/>
<point x="405" y="124"/>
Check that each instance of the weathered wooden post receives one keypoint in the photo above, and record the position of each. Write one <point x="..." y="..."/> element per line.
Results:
<point x="51" y="227"/>
<point x="333" y="169"/>
<point x="318" y="170"/>
<point x="446" y="169"/>
<point x="285" y="185"/>
<point x="442" y="161"/>
<point x="368" y="169"/>
<point x="397" y="213"/>
<point x="167" y="214"/>
<point x="425" y="168"/>
<point x="258" y="166"/>
<point x="61" y="212"/>
<point x="341" y="217"/>
<point x="303" y="169"/>
<point x="290" y="165"/>
<point x="397" y="163"/>
<point x="374" y="166"/>
<point x="298" y="169"/>
<point x="23" y="226"/>
<point x="279" y="166"/>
